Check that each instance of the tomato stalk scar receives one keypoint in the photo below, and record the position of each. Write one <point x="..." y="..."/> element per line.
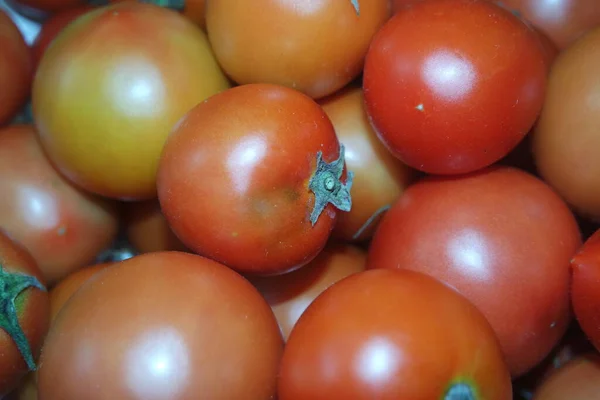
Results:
<point x="356" y="6"/>
<point x="327" y="186"/>
<point x="11" y="285"/>
<point x="460" y="391"/>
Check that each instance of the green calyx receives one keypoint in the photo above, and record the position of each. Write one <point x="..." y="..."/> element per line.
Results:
<point x="11" y="285"/>
<point x="177" y="5"/>
<point x="327" y="186"/>
<point x="356" y="6"/>
<point x="460" y="391"/>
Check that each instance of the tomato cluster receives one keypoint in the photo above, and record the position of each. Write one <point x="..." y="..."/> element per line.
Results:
<point x="299" y="200"/>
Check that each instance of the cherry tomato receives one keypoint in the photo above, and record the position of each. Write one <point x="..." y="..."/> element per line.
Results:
<point x="585" y="291"/>
<point x="164" y="325"/>
<point x="316" y="47"/>
<point x="566" y="139"/>
<point x="290" y="294"/>
<point x="63" y="291"/>
<point x="253" y="177"/>
<point x="111" y="87"/>
<point x="562" y="20"/>
<point x="148" y="230"/>
<point x="61" y="226"/>
<point x="462" y="92"/>
<point x="578" y="380"/>
<point x="15" y="69"/>
<point x="392" y="335"/>
<point x="379" y="177"/>
<point x="502" y="238"/>
<point x="52" y="27"/>
<point x="25" y="313"/>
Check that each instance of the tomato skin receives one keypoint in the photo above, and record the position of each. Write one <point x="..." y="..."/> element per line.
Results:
<point x="234" y="174"/>
<point x="64" y="290"/>
<point x="431" y="338"/>
<point x="147" y="228"/>
<point x="566" y="139"/>
<point x="289" y="294"/>
<point x="441" y="101"/>
<point x="198" y="316"/>
<point x="52" y="27"/>
<point x="494" y="235"/>
<point x="315" y="47"/>
<point x="578" y="380"/>
<point x="563" y="21"/>
<point x="16" y="70"/>
<point x="133" y="70"/>
<point x="379" y="177"/>
<point x="585" y="290"/>
<point x="32" y="312"/>
<point x="61" y="226"/>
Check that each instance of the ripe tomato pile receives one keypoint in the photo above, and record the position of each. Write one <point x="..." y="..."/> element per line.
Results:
<point x="299" y="200"/>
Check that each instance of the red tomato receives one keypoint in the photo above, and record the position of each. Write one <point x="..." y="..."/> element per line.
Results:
<point x="164" y="326"/>
<point x="585" y="291"/>
<point x="25" y="313"/>
<point x="63" y="291"/>
<point x="316" y="47"/>
<point x="147" y="229"/>
<point x="462" y="92"/>
<point x="52" y="27"/>
<point x="290" y="294"/>
<point x="63" y="227"/>
<point x="578" y="380"/>
<point x="252" y="177"/>
<point x="15" y="69"/>
<point x="392" y="335"/>
<point x="112" y="86"/>
<point x="379" y="177"/>
<point x="502" y="238"/>
<point x="562" y="20"/>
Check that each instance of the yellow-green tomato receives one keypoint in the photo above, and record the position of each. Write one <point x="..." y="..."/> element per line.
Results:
<point x="111" y="87"/>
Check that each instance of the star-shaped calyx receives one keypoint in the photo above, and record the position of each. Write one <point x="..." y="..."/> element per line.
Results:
<point x="327" y="186"/>
<point x="11" y="285"/>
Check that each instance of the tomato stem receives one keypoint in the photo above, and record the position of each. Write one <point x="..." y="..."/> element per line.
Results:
<point x="177" y="5"/>
<point x="327" y="186"/>
<point x="356" y="6"/>
<point x="11" y="285"/>
<point x="460" y="391"/>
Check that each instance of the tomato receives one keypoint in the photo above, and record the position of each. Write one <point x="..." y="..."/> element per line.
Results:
<point x="578" y="380"/>
<point x="392" y="335"/>
<point x="63" y="291"/>
<point x="164" y="325"/>
<point x="566" y="137"/>
<point x="61" y="226"/>
<point x="315" y="47"/>
<point x="462" y="92"/>
<point x="379" y="178"/>
<point x="25" y="313"/>
<point x="148" y="230"/>
<point x="254" y="177"/>
<point x="585" y="291"/>
<point x="52" y="27"/>
<point x="112" y="86"/>
<point x="15" y="69"/>
<point x="502" y="238"/>
<point x="290" y="294"/>
<point x="562" y="20"/>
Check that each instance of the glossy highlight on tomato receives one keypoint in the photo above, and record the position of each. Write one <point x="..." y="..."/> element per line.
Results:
<point x="165" y="325"/>
<point x="496" y="234"/>
<point x="451" y="86"/>
<point x="112" y="86"/>
<point x="392" y="334"/>
<point x="316" y="47"/>
<point x="254" y="177"/>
